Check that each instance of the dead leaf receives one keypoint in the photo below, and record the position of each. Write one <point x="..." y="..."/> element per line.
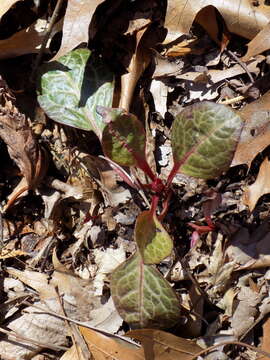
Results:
<point x="6" y="5"/>
<point x="76" y="22"/>
<point x="255" y="136"/>
<point x="22" y="146"/>
<point x="259" y="44"/>
<point x="160" y="345"/>
<point x="266" y="338"/>
<point x="259" y="188"/>
<point x="138" y="63"/>
<point x="105" y="348"/>
<point x="74" y="353"/>
<point x="241" y="16"/>
<point x="28" y="40"/>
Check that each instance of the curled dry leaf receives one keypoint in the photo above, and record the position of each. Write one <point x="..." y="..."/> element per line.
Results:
<point x="255" y="136"/>
<point x="242" y="17"/>
<point x="138" y="63"/>
<point x="259" y="188"/>
<point x="259" y="44"/>
<point x="22" y="146"/>
<point x="76" y="22"/>
<point x="28" y="40"/>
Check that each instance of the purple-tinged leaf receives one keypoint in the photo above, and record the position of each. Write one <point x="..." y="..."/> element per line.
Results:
<point x="204" y="138"/>
<point x="124" y="140"/>
<point x="142" y="296"/>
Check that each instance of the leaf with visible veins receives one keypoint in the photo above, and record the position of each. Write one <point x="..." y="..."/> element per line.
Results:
<point x="153" y="241"/>
<point x="204" y="138"/>
<point x="142" y="296"/>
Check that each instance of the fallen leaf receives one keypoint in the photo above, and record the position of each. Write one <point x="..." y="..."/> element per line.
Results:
<point x="6" y="5"/>
<point x="76" y="22"/>
<point x="241" y="16"/>
<point x="259" y="188"/>
<point x="106" y="261"/>
<point x="259" y="44"/>
<point x="28" y="40"/>
<point x="105" y="348"/>
<point x="266" y="338"/>
<point x="159" y="92"/>
<point x="138" y="63"/>
<point x="22" y="146"/>
<point x="74" y="353"/>
<point x="160" y="345"/>
<point x="255" y="136"/>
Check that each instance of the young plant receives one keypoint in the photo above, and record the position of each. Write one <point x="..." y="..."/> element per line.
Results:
<point x="204" y="137"/>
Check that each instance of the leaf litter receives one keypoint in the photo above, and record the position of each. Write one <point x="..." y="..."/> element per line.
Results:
<point x="110" y="241"/>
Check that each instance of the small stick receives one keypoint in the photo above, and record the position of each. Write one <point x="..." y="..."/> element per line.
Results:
<point x="33" y="342"/>
<point x="46" y="38"/>
<point x="241" y="63"/>
<point x="232" y="101"/>
<point x="264" y="353"/>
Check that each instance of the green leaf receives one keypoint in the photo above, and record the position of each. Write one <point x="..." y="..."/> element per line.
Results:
<point x="123" y="139"/>
<point x="153" y="241"/>
<point x="73" y="86"/>
<point x="204" y="138"/>
<point x="142" y="296"/>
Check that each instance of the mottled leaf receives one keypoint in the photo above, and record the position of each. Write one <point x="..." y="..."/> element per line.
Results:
<point x="123" y="139"/>
<point x="204" y="138"/>
<point x="72" y="88"/>
<point x="142" y="296"/>
<point x="153" y="241"/>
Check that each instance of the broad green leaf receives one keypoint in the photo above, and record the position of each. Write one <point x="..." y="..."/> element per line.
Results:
<point x="153" y="241"/>
<point x="204" y="138"/>
<point x="142" y="296"/>
<point x="123" y="139"/>
<point x="73" y="86"/>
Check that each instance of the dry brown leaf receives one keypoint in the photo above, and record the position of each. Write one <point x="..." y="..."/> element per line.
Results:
<point x="28" y="40"/>
<point x="105" y="348"/>
<point x="74" y="353"/>
<point x="6" y="5"/>
<point x="259" y="44"/>
<point x="255" y="136"/>
<point x="260" y="187"/>
<point x="266" y="338"/>
<point x="241" y="16"/>
<point x="160" y="345"/>
<point x="76" y="22"/>
<point x="22" y="146"/>
<point x="138" y="63"/>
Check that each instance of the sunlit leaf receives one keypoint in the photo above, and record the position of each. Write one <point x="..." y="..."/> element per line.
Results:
<point x="153" y="241"/>
<point x="204" y="138"/>
<point x="142" y="296"/>
<point x="123" y="139"/>
<point x="161" y="345"/>
<point x="73" y="86"/>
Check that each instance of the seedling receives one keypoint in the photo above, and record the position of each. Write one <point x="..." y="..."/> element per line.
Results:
<point x="203" y="137"/>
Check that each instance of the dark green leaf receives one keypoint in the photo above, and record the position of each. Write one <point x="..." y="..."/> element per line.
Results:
<point x="123" y="139"/>
<point x="72" y="88"/>
<point x="153" y="241"/>
<point x="142" y="296"/>
<point x="204" y="138"/>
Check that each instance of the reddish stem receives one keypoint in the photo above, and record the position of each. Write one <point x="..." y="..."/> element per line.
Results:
<point x="154" y="204"/>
